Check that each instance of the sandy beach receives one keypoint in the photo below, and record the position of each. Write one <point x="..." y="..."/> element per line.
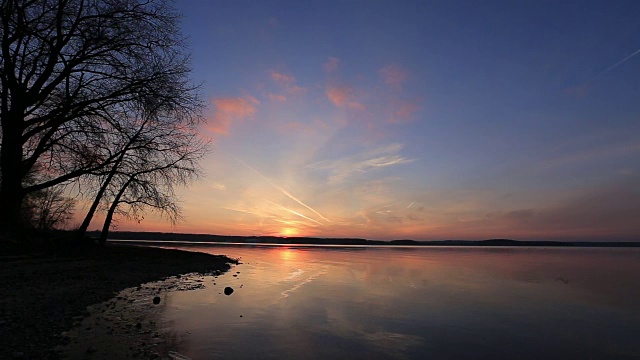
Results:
<point x="94" y="302"/>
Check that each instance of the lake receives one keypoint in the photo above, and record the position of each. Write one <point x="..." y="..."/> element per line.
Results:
<point x="306" y="302"/>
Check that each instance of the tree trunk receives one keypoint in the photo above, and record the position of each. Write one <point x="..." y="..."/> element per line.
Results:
<point x="11" y="198"/>
<point x="82" y="230"/>
<point x="87" y="219"/>
<point x="11" y="173"/>
<point x="107" y="221"/>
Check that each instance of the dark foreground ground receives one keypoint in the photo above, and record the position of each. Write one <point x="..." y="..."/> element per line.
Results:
<point x="43" y="295"/>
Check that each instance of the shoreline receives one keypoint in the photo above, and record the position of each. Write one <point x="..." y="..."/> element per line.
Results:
<point x="46" y="297"/>
<point x="497" y="242"/>
<point x="130" y="325"/>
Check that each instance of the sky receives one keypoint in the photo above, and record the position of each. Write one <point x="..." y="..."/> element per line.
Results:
<point x="416" y="119"/>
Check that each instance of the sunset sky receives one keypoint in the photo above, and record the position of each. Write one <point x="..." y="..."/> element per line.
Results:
<point x="416" y="119"/>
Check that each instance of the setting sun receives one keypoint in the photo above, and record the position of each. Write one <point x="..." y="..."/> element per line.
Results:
<point x="320" y="179"/>
<point x="289" y="232"/>
<point x="340" y="143"/>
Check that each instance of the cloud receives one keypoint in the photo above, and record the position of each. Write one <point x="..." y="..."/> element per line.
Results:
<point x="282" y="79"/>
<point x="404" y="112"/>
<point x="278" y="97"/>
<point x="607" y="212"/>
<point x="283" y="191"/>
<point x="341" y="169"/>
<point x="331" y="65"/>
<point x="218" y="186"/>
<point x="230" y="110"/>
<point x="343" y="96"/>
<point x="602" y="213"/>
<point x="287" y="82"/>
<point x="296" y="90"/>
<point x="393" y="75"/>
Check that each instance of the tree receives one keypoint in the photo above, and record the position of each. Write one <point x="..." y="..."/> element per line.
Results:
<point x="104" y="179"/>
<point x="71" y="74"/>
<point x="48" y="209"/>
<point x="158" y="156"/>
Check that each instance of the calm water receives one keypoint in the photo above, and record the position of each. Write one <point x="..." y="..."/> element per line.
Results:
<point x="413" y="303"/>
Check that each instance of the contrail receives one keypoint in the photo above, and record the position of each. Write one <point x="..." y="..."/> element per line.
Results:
<point x="284" y="191"/>
<point x="619" y="62"/>
<point x="608" y="69"/>
<point x="410" y="204"/>
<point x="293" y="212"/>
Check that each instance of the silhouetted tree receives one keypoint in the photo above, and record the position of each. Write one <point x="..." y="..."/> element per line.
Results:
<point x="103" y="180"/>
<point x="72" y="73"/>
<point x="45" y="209"/>
<point x="48" y="209"/>
<point x="159" y="155"/>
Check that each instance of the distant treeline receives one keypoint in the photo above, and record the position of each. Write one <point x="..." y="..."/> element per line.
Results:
<point x="160" y="236"/>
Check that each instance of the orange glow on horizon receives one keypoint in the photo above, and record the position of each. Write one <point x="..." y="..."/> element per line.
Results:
<point x="286" y="232"/>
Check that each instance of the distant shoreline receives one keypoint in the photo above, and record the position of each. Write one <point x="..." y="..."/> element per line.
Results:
<point x="206" y="238"/>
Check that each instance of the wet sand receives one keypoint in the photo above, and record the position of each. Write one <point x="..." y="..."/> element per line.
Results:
<point x="89" y="303"/>
<point x="129" y="326"/>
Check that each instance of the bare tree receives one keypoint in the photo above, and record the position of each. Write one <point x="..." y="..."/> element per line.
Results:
<point x="71" y="73"/>
<point x="104" y="179"/>
<point x="159" y="156"/>
<point x="48" y="209"/>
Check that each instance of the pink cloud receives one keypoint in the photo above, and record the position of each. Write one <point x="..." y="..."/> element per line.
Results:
<point x="331" y="65"/>
<point x="393" y="75"/>
<point x="281" y="78"/>
<point x="404" y="112"/>
<point x="343" y="97"/>
<point x="295" y="90"/>
<point x="277" y="97"/>
<point x="230" y="110"/>
<point x="287" y="82"/>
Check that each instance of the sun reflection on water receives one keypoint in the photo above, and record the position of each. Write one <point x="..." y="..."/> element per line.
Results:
<point x="288" y="254"/>
<point x="395" y="302"/>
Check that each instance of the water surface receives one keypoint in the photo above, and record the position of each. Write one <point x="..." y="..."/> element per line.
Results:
<point x="412" y="303"/>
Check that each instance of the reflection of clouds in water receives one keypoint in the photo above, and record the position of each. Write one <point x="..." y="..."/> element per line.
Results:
<point x="365" y="328"/>
<point x="297" y="286"/>
<point x="294" y="274"/>
<point x="418" y="303"/>
<point x="372" y="337"/>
